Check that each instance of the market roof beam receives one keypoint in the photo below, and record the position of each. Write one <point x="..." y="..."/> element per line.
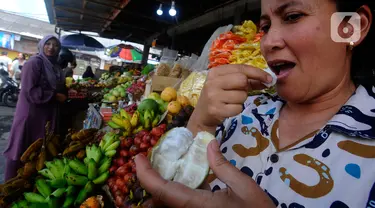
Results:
<point x="134" y="14"/>
<point x="74" y="21"/>
<point x="84" y="12"/>
<point x="225" y="11"/>
<point x="115" y="13"/>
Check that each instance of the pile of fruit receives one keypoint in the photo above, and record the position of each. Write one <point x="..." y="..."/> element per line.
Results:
<point x="118" y="93"/>
<point x="145" y="117"/>
<point x="33" y="159"/>
<point x="137" y="89"/>
<point x="69" y="182"/>
<point x="123" y="184"/>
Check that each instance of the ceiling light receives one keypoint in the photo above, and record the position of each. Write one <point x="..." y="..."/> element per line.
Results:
<point x="160" y="11"/>
<point x="173" y="11"/>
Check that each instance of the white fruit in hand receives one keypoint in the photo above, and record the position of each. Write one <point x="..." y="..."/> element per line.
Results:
<point x="181" y="158"/>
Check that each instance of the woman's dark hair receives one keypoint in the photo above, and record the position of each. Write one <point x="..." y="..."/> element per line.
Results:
<point x="363" y="66"/>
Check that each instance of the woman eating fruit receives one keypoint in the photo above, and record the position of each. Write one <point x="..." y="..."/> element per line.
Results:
<point x="313" y="145"/>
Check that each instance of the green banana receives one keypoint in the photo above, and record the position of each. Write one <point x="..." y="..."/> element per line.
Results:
<point x="58" y="192"/>
<point x="76" y="180"/>
<point x="142" y="119"/>
<point x="23" y="204"/>
<point x="147" y="123"/>
<point x="34" y="198"/>
<point x="92" y="170"/>
<point x="113" y="125"/>
<point x="148" y="115"/>
<point x="38" y="205"/>
<point x="102" y="143"/>
<point x="155" y="121"/>
<point x="152" y="112"/>
<point x="42" y="187"/>
<point x="70" y="190"/>
<point x="57" y="183"/>
<point x="53" y="169"/>
<point x="110" y="153"/>
<point x="109" y="141"/>
<point x="15" y="205"/>
<point x="102" y="178"/>
<point x="78" y="167"/>
<point x="105" y="166"/>
<point x="47" y="173"/>
<point x="68" y="201"/>
<point x="93" y="152"/>
<point x="82" y="195"/>
<point x="86" y="160"/>
<point x="60" y="167"/>
<point x="113" y="146"/>
<point x="52" y="202"/>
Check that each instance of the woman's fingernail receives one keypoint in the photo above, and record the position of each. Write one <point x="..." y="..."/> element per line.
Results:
<point x="215" y="145"/>
<point x="269" y="78"/>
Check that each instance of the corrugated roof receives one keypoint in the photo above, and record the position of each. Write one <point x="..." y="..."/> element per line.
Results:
<point x="24" y="25"/>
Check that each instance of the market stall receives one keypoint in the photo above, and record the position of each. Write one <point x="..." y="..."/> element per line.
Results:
<point x="94" y="165"/>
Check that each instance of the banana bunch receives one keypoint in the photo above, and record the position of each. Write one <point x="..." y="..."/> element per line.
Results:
<point x="149" y="119"/>
<point x="125" y="122"/>
<point x="109" y="144"/>
<point x="78" y="141"/>
<point x="68" y="183"/>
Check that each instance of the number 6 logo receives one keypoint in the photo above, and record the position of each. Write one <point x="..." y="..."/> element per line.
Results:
<point x="345" y="27"/>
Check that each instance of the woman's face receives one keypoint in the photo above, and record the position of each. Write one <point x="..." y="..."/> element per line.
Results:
<point x="298" y="47"/>
<point x="51" y="48"/>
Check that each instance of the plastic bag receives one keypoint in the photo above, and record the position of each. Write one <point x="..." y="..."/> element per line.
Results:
<point x="192" y="86"/>
<point x="202" y="62"/>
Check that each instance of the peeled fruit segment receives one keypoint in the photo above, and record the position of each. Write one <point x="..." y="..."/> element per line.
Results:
<point x="180" y="158"/>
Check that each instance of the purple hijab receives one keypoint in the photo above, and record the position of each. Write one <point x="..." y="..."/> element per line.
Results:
<point x="52" y="73"/>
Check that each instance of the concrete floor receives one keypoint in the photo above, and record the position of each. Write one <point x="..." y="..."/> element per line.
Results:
<point x="6" y="119"/>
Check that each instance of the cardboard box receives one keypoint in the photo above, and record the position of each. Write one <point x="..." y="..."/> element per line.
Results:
<point x="159" y="83"/>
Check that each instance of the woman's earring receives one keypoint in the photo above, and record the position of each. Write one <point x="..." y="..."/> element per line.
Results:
<point x="351" y="45"/>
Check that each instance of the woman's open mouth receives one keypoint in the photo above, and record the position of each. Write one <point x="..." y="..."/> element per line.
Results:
<point x="281" y="68"/>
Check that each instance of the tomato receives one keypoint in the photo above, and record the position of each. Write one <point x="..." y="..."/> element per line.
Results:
<point x="113" y="169"/>
<point x="120" y="183"/>
<point x="119" y="201"/>
<point x="163" y="126"/>
<point x="146" y="138"/>
<point x="121" y="171"/>
<point x="142" y="133"/>
<point x="133" y="150"/>
<point x="128" y="142"/>
<point x="144" y="146"/>
<point x="137" y="140"/>
<point x="124" y="153"/>
<point x="130" y="177"/>
<point x="125" y="189"/>
<point x="114" y="188"/>
<point x="153" y="141"/>
<point x="120" y="161"/>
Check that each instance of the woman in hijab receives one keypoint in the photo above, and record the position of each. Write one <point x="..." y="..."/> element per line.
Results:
<point x="88" y="73"/>
<point x="37" y="104"/>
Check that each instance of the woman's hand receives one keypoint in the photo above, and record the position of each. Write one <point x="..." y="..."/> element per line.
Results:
<point x="223" y="95"/>
<point x="242" y="190"/>
<point x="61" y="97"/>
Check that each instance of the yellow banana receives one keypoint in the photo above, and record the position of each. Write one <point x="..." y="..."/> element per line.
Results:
<point x="125" y="114"/>
<point x="134" y="120"/>
<point x="118" y="121"/>
<point x="127" y="125"/>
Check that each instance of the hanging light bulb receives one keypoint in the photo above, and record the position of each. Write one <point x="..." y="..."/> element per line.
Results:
<point x="160" y="10"/>
<point x="173" y="11"/>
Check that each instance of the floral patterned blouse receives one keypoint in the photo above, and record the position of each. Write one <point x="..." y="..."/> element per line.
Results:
<point x="333" y="167"/>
